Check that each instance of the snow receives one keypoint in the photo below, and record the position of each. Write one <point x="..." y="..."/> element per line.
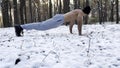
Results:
<point x="98" y="47"/>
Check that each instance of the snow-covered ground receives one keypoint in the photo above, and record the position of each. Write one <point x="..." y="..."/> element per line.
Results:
<point x="98" y="47"/>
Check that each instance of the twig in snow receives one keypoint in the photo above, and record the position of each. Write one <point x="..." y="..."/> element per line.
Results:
<point x="88" y="62"/>
<point x="48" y="53"/>
<point x="34" y="42"/>
<point x="89" y="46"/>
<point x="22" y="44"/>
<point x="46" y="56"/>
<point x="89" y="36"/>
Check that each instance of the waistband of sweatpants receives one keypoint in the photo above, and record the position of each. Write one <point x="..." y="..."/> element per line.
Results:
<point x="59" y="16"/>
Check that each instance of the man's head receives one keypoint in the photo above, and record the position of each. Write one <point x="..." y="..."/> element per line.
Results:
<point x="86" y="10"/>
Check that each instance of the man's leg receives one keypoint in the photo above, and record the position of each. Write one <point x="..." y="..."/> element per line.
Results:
<point x="45" y="25"/>
<point x="19" y="28"/>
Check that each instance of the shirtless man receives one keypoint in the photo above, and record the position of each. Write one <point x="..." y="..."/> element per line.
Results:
<point x="57" y="20"/>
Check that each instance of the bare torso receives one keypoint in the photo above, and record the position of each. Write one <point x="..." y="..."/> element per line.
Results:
<point x="71" y="16"/>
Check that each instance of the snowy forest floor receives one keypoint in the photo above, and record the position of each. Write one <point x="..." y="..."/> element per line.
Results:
<point x="98" y="47"/>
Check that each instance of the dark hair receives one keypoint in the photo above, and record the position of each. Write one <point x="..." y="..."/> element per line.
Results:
<point x="86" y="10"/>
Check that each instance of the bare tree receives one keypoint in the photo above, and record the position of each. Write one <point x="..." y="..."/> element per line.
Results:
<point x="5" y="13"/>
<point x="66" y="7"/>
<point x="50" y="8"/>
<point x="38" y="9"/>
<point x="23" y="11"/>
<point x="76" y="4"/>
<point x="86" y="17"/>
<point x="117" y="11"/>
<point x="112" y="11"/>
<point x="105" y="16"/>
<point x="60" y="7"/>
<point x="16" y="16"/>
<point x="30" y="10"/>
<point x="10" y="14"/>
<point x="100" y="11"/>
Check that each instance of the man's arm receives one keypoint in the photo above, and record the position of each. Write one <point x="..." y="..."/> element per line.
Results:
<point x="71" y="26"/>
<point x="79" y="22"/>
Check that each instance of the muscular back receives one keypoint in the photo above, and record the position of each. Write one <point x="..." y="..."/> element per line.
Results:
<point x="72" y="16"/>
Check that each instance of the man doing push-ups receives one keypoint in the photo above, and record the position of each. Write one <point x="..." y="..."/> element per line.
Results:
<point x="57" y="20"/>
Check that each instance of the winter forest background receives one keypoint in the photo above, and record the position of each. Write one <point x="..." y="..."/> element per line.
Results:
<point x="97" y="47"/>
<point x="28" y="11"/>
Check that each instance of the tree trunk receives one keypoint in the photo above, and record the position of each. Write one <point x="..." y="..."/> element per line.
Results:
<point x="50" y="8"/>
<point x="86" y="17"/>
<point x="30" y="10"/>
<point x="5" y="13"/>
<point x="105" y="11"/>
<point x="22" y="5"/>
<point x="16" y="16"/>
<point x="60" y="7"/>
<point x="66" y="7"/>
<point x="38" y="10"/>
<point x="25" y="12"/>
<point x="78" y="6"/>
<point x="34" y="11"/>
<point x="75" y="4"/>
<point x="10" y="14"/>
<point x="112" y="14"/>
<point x="99" y="12"/>
<point x="101" y="6"/>
<point x="117" y="11"/>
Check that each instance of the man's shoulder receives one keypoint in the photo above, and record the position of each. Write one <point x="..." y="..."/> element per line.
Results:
<point x="77" y="9"/>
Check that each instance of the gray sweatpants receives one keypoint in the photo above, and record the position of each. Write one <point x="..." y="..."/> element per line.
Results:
<point x="53" y="22"/>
